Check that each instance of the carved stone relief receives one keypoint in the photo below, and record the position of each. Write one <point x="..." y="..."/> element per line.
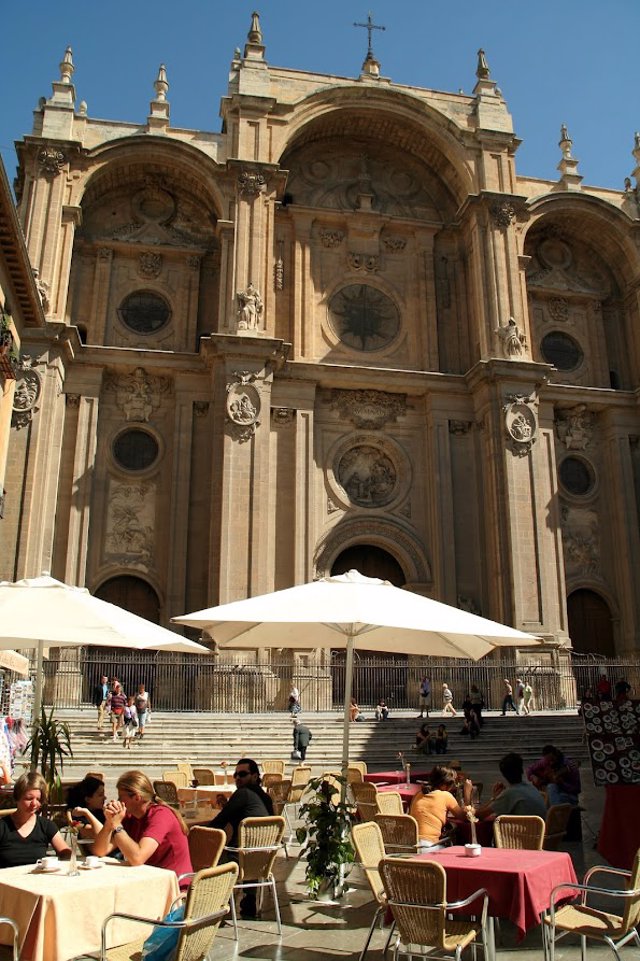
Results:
<point x="27" y="393"/>
<point x="130" y="524"/>
<point x="250" y="308"/>
<point x="559" y="310"/>
<point x="368" y="409"/>
<point x="51" y="161"/>
<point x="557" y="265"/>
<point x="282" y="416"/>
<point x="369" y="263"/>
<point x="459" y="426"/>
<point x="521" y="422"/>
<point x="575" y="427"/>
<point x="467" y="603"/>
<point x="368" y="471"/>
<point x="394" y="243"/>
<point x="503" y="213"/>
<point x="251" y="183"/>
<point x="331" y="238"/>
<point x="149" y="264"/>
<point x="580" y="538"/>
<point x="243" y="407"/>
<point x="138" y="394"/>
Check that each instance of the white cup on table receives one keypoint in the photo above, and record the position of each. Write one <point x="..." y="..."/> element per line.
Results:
<point x="48" y="864"/>
<point x="92" y="861"/>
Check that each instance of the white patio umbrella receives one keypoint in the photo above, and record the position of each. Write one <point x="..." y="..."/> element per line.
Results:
<point x="42" y="612"/>
<point x="349" y="611"/>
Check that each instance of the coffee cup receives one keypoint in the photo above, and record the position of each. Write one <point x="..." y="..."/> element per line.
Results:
<point x="48" y="863"/>
<point x="92" y="861"/>
<point x="472" y="850"/>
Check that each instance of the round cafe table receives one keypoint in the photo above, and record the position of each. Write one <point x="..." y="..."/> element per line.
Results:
<point x="407" y="792"/>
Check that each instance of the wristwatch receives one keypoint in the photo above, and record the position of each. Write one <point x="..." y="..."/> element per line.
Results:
<point x="118" y="829"/>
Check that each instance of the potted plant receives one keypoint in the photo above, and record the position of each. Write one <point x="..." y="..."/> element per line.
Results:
<point x="50" y="744"/>
<point x="326" y="838"/>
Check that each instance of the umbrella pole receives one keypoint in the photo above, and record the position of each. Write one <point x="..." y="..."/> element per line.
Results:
<point x="37" y="697"/>
<point x="348" y="687"/>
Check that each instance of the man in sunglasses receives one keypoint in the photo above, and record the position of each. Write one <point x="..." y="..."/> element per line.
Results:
<point x="248" y="801"/>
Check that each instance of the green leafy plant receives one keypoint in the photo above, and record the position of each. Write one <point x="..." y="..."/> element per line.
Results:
<point x="326" y="837"/>
<point x="49" y="745"/>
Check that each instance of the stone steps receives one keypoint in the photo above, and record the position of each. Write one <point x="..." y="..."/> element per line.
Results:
<point x="206" y="739"/>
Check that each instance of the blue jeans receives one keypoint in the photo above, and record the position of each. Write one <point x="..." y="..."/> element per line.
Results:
<point x="555" y="795"/>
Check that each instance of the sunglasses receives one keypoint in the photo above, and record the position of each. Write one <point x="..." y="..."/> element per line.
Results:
<point x="241" y="773"/>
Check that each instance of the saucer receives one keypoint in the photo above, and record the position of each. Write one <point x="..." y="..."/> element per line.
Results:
<point x="90" y="867"/>
<point x="41" y="870"/>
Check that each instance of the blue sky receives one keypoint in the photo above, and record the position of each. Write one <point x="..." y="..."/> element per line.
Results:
<point x="571" y="61"/>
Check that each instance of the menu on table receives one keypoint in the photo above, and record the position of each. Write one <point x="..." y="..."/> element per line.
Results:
<point x="613" y="736"/>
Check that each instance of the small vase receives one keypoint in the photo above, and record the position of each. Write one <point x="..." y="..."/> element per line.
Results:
<point x="73" y="860"/>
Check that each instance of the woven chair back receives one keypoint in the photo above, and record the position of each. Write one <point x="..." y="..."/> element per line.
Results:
<point x="167" y="792"/>
<point x="259" y="841"/>
<point x="399" y="833"/>
<point x="556" y="825"/>
<point x="204" y="775"/>
<point x="179" y="778"/>
<point x="410" y="886"/>
<point x="273" y="766"/>
<point x="278" y="791"/>
<point x="367" y="840"/>
<point x="525" y="832"/>
<point x="389" y="802"/>
<point x="365" y="796"/>
<point x="209" y="891"/>
<point x="205" y="846"/>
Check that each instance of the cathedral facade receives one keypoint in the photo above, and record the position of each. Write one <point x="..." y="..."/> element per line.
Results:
<point x="342" y="332"/>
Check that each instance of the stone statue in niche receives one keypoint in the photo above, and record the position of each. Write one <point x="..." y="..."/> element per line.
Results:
<point x="368" y="476"/>
<point x="575" y="427"/>
<point x="513" y="341"/>
<point x="250" y="308"/>
<point x="43" y="289"/>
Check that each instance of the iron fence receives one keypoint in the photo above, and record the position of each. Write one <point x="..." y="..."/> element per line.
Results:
<point x="245" y="685"/>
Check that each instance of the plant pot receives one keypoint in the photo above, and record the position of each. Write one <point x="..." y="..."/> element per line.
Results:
<point x="329" y="892"/>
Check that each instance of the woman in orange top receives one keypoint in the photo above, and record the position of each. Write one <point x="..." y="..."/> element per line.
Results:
<point x="431" y="807"/>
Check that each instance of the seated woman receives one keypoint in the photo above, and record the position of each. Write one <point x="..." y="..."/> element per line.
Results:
<point x="441" y="739"/>
<point x="25" y="836"/>
<point x="354" y="711"/>
<point x="425" y="740"/>
<point x="86" y="802"/>
<point x="432" y="806"/>
<point x="143" y="828"/>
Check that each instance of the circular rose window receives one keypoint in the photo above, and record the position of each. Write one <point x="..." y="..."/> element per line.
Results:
<point x="363" y="317"/>
<point x="144" y="312"/>
<point x="576" y="476"/>
<point x="561" y="350"/>
<point x="135" y="450"/>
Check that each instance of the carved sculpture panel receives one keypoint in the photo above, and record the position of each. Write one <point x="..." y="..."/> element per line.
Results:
<point x="27" y="393"/>
<point x="138" y="394"/>
<point x="575" y="426"/>
<point x="368" y="470"/>
<point x="130" y="524"/>
<point x="243" y="408"/>
<point x="580" y="537"/>
<point x="521" y="423"/>
<point x="368" y="409"/>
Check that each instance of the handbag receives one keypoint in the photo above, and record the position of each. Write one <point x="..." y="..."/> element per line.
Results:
<point x="296" y="756"/>
<point x="162" y="942"/>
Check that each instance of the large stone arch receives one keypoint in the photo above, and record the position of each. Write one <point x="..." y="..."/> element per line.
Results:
<point x="381" y="532"/>
<point x="580" y="272"/>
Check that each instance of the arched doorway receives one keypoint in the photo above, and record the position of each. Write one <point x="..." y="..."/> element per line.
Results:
<point x="371" y="682"/>
<point x="370" y="561"/>
<point x="133" y="594"/>
<point x="590" y="624"/>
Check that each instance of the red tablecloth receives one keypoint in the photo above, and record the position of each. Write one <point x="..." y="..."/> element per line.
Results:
<point x="619" y="837"/>
<point x="395" y="777"/>
<point x="406" y="791"/>
<point x="519" y="883"/>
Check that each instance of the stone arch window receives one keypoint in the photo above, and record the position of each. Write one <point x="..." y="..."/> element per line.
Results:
<point x="371" y="561"/>
<point x="135" y="449"/>
<point x="144" y="311"/>
<point x="577" y="476"/>
<point x="133" y="594"/>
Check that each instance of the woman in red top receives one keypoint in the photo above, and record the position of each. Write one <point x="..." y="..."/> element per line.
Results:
<point x="143" y="828"/>
<point x="116" y="703"/>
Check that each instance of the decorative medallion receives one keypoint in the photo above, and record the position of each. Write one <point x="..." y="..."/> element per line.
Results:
<point x="149" y="264"/>
<point x="26" y="394"/>
<point x="153" y="205"/>
<point x="368" y="409"/>
<point x="363" y="317"/>
<point x="369" y="263"/>
<point x="368" y="470"/>
<point x="521" y="422"/>
<point x="51" y="160"/>
<point x="243" y="407"/>
<point x="559" y="309"/>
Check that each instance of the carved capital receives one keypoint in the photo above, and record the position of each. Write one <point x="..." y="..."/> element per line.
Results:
<point x="72" y="400"/>
<point x="394" y="243"/>
<point x="282" y="416"/>
<point x="201" y="408"/>
<point x="503" y="213"/>
<point x="51" y="160"/>
<point x="251" y="183"/>
<point x="26" y="395"/>
<point x="460" y="426"/>
<point x="105" y="253"/>
<point x="331" y="238"/>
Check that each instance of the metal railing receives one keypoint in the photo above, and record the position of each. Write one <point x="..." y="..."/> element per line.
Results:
<point x="209" y="683"/>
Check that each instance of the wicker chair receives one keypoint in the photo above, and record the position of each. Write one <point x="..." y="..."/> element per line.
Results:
<point x="185" y="767"/>
<point x="278" y="791"/>
<point x="389" y="802"/>
<point x="518" y="831"/>
<point x="206" y="905"/>
<point x="417" y="895"/>
<point x="270" y="778"/>
<point x="399" y="833"/>
<point x="205" y="846"/>
<point x="300" y="777"/>
<point x="204" y="775"/>
<point x="179" y="778"/>
<point x="15" y="952"/>
<point x="365" y="797"/>
<point x="360" y="765"/>
<point x="367" y="840"/>
<point x="259" y="840"/>
<point x="354" y="774"/>
<point x="167" y="792"/>
<point x="273" y="766"/>
<point x="587" y="922"/>
<point x="556" y="825"/>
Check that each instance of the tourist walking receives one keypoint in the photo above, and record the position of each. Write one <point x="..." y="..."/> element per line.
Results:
<point x="301" y="739"/>
<point x="425" y="696"/>
<point x="116" y="704"/>
<point x="508" y="697"/>
<point x="294" y="700"/>
<point x="100" y="695"/>
<point x="447" y="701"/>
<point x="130" y="722"/>
<point x="519" y="695"/>
<point x="477" y="701"/>
<point x="143" y="708"/>
<point x="527" y="702"/>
